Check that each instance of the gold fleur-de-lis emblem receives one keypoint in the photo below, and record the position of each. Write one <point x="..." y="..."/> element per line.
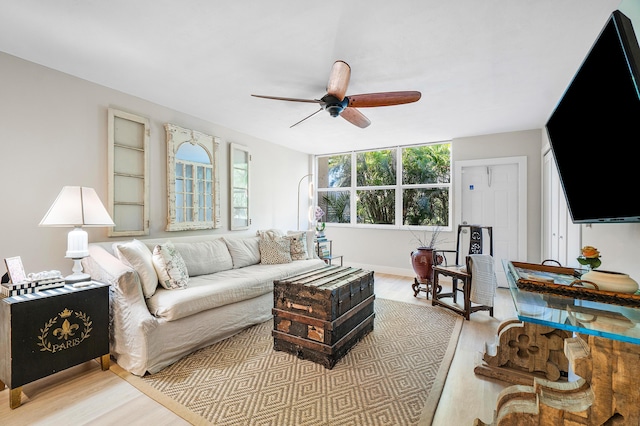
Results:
<point x="66" y="330"/>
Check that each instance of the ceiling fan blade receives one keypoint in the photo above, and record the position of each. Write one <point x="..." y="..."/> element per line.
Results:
<point x="278" y="98"/>
<point x="339" y="79"/>
<point x="382" y="99"/>
<point x="354" y="116"/>
<point x="308" y="116"/>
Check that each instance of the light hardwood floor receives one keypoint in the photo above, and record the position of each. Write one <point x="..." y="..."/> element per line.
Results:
<point x="86" y="395"/>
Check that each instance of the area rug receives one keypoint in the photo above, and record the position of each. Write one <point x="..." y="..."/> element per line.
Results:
<point x="394" y="376"/>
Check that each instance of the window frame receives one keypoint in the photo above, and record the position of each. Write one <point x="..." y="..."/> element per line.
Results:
<point x="399" y="187"/>
<point x="177" y="136"/>
<point x="237" y="184"/>
<point x="123" y="148"/>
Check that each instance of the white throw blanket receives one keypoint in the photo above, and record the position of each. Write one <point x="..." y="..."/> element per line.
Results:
<point x="483" y="279"/>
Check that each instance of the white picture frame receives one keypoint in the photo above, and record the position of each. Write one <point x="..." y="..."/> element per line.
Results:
<point x="15" y="269"/>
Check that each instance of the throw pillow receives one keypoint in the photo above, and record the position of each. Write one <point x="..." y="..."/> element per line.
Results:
<point x="244" y="251"/>
<point x="269" y="234"/>
<point x="170" y="267"/>
<point x="276" y="251"/>
<point x="137" y="256"/>
<point x="310" y="242"/>
<point x="298" y="246"/>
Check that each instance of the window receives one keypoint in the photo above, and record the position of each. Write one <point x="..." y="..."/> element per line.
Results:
<point x="334" y="175"/>
<point x="128" y="173"/>
<point x="194" y="184"/>
<point x="239" y="158"/>
<point x="400" y="186"/>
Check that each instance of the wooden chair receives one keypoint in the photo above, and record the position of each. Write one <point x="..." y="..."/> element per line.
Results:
<point x="480" y="241"/>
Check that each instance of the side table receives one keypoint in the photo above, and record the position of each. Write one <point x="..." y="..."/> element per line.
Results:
<point x="45" y="332"/>
<point x="603" y="353"/>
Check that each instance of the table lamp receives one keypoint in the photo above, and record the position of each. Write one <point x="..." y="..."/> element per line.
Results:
<point x="77" y="207"/>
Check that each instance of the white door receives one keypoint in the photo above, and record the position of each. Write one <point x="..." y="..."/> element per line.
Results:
<point x="560" y="236"/>
<point x="492" y="192"/>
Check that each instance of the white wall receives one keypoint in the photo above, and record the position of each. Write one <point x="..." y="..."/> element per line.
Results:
<point x="53" y="132"/>
<point x="386" y="250"/>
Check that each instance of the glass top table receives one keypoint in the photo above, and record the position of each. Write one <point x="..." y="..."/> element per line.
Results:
<point x="577" y="315"/>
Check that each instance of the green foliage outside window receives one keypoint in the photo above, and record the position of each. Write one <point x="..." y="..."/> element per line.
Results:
<point x="423" y="186"/>
<point x="428" y="164"/>
<point x="336" y="206"/>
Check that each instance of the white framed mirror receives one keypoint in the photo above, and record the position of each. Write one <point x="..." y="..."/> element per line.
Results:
<point x="239" y="174"/>
<point x="193" y="184"/>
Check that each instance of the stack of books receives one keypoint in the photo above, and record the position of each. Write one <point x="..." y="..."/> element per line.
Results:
<point x="26" y="287"/>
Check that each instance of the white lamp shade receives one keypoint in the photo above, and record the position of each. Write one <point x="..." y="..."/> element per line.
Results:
<point x="77" y="206"/>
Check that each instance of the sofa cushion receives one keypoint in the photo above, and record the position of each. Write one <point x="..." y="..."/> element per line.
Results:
<point x="137" y="255"/>
<point x="170" y="267"/>
<point x="205" y="257"/>
<point x="214" y="290"/>
<point x="275" y="251"/>
<point x="244" y="251"/>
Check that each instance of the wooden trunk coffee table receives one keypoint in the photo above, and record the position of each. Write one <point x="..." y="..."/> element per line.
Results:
<point x="320" y="315"/>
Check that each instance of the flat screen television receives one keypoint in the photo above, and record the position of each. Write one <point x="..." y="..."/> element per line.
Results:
<point x="594" y="130"/>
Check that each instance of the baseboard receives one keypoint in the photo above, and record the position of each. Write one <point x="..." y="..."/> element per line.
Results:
<point x="403" y="272"/>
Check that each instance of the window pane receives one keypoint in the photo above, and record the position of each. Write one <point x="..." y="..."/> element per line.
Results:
<point x="376" y="168"/>
<point x="335" y="205"/>
<point x="240" y="178"/>
<point x="334" y="171"/>
<point x="426" y="164"/>
<point x="425" y="207"/>
<point x="376" y="206"/>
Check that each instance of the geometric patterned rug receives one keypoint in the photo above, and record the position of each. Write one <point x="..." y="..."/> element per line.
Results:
<point x="393" y="376"/>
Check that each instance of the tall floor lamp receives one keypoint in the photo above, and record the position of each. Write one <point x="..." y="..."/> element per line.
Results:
<point x="310" y="194"/>
<point x="77" y="207"/>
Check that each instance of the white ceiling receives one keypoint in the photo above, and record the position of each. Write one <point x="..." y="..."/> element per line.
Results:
<point x="483" y="66"/>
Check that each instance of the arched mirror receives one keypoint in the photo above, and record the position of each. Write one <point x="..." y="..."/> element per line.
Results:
<point x="192" y="180"/>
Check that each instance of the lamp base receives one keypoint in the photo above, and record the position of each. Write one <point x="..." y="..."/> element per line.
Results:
<point x="76" y="278"/>
<point x="77" y="275"/>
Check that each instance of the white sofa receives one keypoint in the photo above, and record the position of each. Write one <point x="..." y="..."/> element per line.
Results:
<point x="229" y="288"/>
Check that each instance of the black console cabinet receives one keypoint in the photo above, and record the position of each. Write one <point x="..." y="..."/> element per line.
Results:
<point x="48" y="331"/>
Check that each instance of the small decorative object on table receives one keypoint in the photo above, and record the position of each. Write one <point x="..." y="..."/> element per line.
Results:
<point x="15" y="283"/>
<point x="319" y="225"/>
<point x="590" y="257"/>
<point x="604" y="280"/>
<point x="15" y="269"/>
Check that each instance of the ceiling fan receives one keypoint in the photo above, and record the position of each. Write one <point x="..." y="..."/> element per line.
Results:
<point x="337" y="104"/>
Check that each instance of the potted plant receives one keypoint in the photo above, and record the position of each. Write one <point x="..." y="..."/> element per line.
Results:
<point x="422" y="258"/>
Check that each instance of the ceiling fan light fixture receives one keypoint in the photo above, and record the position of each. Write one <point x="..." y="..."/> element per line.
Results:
<point x="337" y="104"/>
<point x="334" y="106"/>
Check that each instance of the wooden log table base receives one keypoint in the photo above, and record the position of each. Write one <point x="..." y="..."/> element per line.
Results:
<point x="524" y="351"/>
<point x="607" y="392"/>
